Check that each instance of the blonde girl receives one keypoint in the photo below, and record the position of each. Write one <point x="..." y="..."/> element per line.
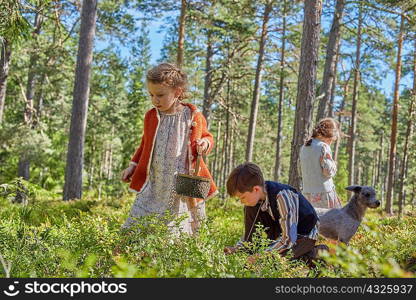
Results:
<point x="174" y="132"/>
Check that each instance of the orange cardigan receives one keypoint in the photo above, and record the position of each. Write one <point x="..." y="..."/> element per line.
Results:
<point x="143" y="155"/>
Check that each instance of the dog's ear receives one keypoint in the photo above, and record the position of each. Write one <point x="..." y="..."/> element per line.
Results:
<point x="354" y="188"/>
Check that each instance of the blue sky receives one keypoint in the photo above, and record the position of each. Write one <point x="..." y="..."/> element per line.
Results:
<point x="156" y="36"/>
<point x="156" y="40"/>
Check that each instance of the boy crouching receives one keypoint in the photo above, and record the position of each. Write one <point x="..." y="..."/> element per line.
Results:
<point x="290" y="221"/>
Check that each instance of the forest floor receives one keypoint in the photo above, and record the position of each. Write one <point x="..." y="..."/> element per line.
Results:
<point x="53" y="238"/>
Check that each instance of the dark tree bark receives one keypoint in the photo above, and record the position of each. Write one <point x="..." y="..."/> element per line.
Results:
<point x="306" y="84"/>
<point x="181" y="39"/>
<point x="408" y="138"/>
<point x="374" y="168"/>
<point x="6" y="53"/>
<point x="230" y="130"/>
<point x="230" y="151"/>
<point x="395" y="111"/>
<point x="223" y="162"/>
<point x="75" y="156"/>
<point x="334" y="85"/>
<point x="353" y="127"/>
<point x="206" y="109"/>
<point x="380" y="159"/>
<point x="216" y="157"/>
<point x="330" y="62"/>
<point x="278" y="163"/>
<point x="39" y="100"/>
<point x="226" y="139"/>
<point x="257" y="84"/>
<point x="340" y="113"/>
<point x="359" y="180"/>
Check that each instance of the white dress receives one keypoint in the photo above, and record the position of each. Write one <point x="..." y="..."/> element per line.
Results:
<point x="158" y="196"/>
<point x="328" y="168"/>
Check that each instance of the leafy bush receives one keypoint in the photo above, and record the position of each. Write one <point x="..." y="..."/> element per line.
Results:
<point x="53" y="238"/>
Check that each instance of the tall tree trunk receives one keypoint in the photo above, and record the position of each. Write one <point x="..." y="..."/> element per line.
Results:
<point x="223" y="161"/>
<point x="395" y="111"/>
<point x="385" y="168"/>
<point x="353" y="127"/>
<point x="374" y="168"/>
<point x="216" y="157"/>
<point x="230" y="151"/>
<point x="230" y="128"/>
<point x="6" y="53"/>
<point x="409" y="133"/>
<point x="75" y="156"/>
<point x="257" y="84"/>
<point x="234" y="146"/>
<point x="110" y="171"/>
<point x="206" y="109"/>
<point x="23" y="169"/>
<point x="306" y="84"/>
<point x="226" y="141"/>
<point x="278" y="163"/>
<point x="39" y="100"/>
<point x="359" y="173"/>
<point x="92" y="164"/>
<point x="380" y="159"/>
<point x="330" y="62"/>
<point x="181" y="39"/>
<point x="341" y="111"/>
<point x="334" y="85"/>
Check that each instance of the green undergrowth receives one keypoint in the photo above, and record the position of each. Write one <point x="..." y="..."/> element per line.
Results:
<point x="54" y="238"/>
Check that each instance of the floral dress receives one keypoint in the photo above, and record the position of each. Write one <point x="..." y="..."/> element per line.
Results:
<point x="329" y="169"/>
<point x="158" y="196"/>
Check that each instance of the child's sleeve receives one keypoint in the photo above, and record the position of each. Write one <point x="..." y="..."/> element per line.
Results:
<point x="288" y="204"/>
<point x="136" y="157"/>
<point x="328" y="165"/>
<point x="206" y="134"/>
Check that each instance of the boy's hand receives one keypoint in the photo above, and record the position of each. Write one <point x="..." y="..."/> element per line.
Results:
<point x="127" y="173"/>
<point x="230" y="250"/>
<point x="202" y="146"/>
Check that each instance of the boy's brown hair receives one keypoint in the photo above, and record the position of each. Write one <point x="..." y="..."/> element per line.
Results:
<point x="243" y="178"/>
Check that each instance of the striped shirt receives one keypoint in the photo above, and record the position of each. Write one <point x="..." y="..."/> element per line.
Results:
<point x="288" y="206"/>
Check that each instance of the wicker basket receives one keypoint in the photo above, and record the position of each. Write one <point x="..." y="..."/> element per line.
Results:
<point x="191" y="185"/>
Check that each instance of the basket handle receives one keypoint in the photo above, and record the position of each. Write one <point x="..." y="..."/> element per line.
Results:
<point x="198" y="161"/>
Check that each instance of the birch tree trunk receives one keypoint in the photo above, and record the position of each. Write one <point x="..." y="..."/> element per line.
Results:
<point x="395" y="111"/>
<point x="257" y="84"/>
<point x="330" y="62"/>
<point x="75" y="155"/>
<point x="306" y="84"/>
